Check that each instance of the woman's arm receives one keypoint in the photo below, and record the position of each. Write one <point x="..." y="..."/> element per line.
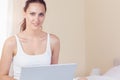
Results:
<point x="6" y="59"/>
<point x="55" y="46"/>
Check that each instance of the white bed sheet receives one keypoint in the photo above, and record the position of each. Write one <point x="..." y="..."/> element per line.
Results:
<point x="100" y="78"/>
<point x="112" y="74"/>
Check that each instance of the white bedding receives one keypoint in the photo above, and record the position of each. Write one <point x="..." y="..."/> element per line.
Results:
<point x="112" y="74"/>
<point x="100" y="78"/>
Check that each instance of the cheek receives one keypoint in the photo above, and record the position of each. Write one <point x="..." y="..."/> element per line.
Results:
<point x="42" y="19"/>
<point x="28" y="18"/>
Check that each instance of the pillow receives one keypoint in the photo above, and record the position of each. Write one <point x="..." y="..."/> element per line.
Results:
<point x="113" y="72"/>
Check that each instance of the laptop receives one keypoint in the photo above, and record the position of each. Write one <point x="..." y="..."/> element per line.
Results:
<point x="49" y="72"/>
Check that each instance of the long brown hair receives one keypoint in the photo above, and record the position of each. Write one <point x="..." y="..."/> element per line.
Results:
<point x="23" y="25"/>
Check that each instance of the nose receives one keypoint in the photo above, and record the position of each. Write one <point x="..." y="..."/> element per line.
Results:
<point x="36" y="19"/>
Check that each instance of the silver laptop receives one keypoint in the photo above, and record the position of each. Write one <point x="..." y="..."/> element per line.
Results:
<point x="49" y="72"/>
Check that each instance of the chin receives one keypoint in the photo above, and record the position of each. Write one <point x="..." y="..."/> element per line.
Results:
<point x="36" y="27"/>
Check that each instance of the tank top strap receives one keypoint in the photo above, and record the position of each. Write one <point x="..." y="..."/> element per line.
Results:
<point x="19" y="47"/>
<point x="48" y="43"/>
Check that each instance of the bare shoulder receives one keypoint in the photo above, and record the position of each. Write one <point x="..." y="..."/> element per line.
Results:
<point x="10" y="42"/>
<point x="54" y="39"/>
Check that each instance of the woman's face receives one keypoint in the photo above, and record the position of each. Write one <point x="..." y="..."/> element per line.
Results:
<point x="35" y="15"/>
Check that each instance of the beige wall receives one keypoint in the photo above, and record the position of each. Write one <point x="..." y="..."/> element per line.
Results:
<point x="102" y="33"/>
<point x="65" y="18"/>
<point x="17" y="15"/>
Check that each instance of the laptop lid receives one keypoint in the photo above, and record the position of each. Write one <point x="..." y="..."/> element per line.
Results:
<point x="49" y="72"/>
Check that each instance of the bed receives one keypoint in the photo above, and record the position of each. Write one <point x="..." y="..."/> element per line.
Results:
<point x="111" y="74"/>
<point x="100" y="78"/>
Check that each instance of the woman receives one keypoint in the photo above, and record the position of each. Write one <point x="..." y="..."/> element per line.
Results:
<point x="32" y="46"/>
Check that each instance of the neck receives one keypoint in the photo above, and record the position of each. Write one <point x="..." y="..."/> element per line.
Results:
<point x="35" y="33"/>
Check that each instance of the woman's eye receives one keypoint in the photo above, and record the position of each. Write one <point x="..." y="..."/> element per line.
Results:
<point x="32" y="14"/>
<point x="41" y="14"/>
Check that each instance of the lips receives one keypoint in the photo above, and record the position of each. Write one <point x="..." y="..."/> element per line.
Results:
<point x="36" y="24"/>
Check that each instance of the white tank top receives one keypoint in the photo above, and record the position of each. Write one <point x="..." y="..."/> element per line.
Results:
<point x="22" y="59"/>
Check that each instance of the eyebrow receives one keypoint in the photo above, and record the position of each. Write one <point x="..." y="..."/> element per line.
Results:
<point x="35" y="12"/>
